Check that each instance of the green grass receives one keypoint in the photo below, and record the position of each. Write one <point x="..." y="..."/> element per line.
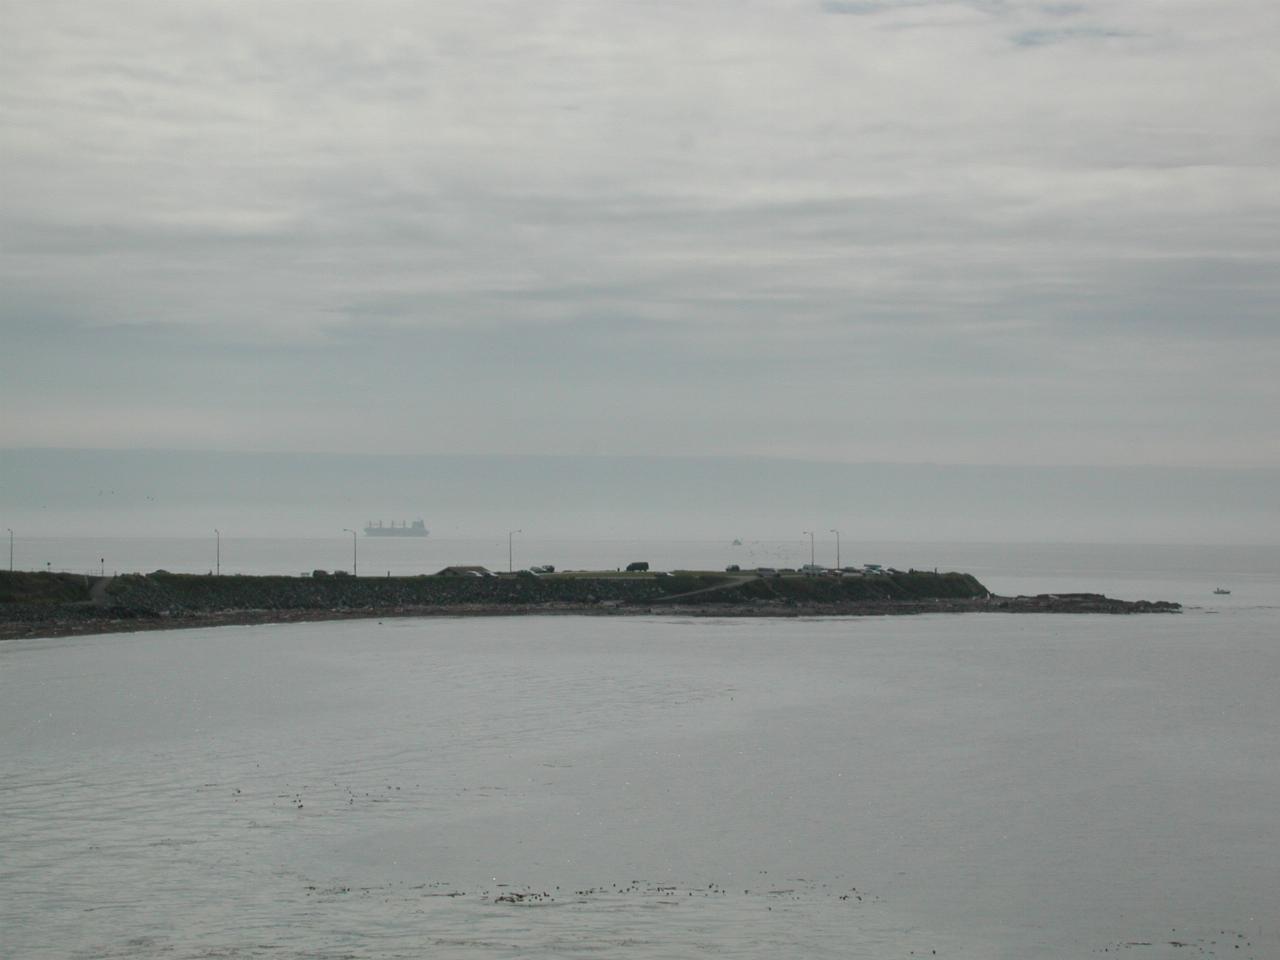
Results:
<point x="19" y="586"/>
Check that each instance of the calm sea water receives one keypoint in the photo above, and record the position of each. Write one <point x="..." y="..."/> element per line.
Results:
<point x="982" y="786"/>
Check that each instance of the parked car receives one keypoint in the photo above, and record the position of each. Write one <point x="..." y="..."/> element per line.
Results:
<point x="639" y="566"/>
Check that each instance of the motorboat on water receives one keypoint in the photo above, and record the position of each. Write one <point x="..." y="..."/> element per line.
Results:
<point x="1221" y="592"/>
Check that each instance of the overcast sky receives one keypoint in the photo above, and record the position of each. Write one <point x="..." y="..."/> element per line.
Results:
<point x="994" y="231"/>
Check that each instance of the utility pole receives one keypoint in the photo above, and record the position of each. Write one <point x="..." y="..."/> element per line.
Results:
<point x="218" y="556"/>
<point x="837" y="533"/>
<point x="510" y="534"/>
<point x="10" y="529"/>
<point x="809" y="534"/>
<point x="354" y="568"/>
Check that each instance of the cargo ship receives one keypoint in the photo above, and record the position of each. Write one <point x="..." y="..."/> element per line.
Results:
<point x="393" y="529"/>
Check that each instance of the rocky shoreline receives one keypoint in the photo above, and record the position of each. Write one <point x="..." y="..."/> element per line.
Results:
<point x="36" y="608"/>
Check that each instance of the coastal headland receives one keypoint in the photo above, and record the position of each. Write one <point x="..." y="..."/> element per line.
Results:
<point x="58" y="604"/>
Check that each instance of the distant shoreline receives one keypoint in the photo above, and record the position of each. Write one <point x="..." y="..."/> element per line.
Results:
<point x="34" y="605"/>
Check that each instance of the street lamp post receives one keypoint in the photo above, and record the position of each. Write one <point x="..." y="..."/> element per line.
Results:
<point x="217" y="563"/>
<point x="354" y="568"/>
<point x="837" y="533"/>
<point x="809" y="533"/>
<point x="510" y="564"/>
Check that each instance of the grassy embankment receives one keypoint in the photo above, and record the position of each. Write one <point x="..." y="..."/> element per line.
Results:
<point x="41" y="604"/>
<point x="170" y="593"/>
<point x="181" y="593"/>
<point x="22" y="587"/>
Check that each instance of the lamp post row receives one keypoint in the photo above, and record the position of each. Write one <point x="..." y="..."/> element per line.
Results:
<point x="812" y="561"/>
<point x="355" y="558"/>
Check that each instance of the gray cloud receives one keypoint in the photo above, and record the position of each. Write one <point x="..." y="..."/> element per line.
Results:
<point x="1045" y="37"/>
<point x="858" y="8"/>
<point x="775" y="225"/>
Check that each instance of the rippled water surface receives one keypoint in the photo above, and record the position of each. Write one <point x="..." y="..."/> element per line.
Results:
<point x="975" y="785"/>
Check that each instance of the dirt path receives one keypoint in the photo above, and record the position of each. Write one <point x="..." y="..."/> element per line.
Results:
<point x="98" y="592"/>
<point x="728" y="584"/>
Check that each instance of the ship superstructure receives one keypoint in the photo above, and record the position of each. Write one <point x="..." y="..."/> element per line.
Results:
<point x="393" y="528"/>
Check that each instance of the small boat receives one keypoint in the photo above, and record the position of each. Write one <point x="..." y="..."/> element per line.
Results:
<point x="1222" y="592"/>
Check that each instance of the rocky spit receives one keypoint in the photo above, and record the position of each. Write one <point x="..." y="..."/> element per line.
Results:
<point x="34" y="608"/>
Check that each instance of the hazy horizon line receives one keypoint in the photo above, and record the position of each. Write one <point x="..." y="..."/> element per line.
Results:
<point x="722" y="457"/>
<point x="905" y="541"/>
